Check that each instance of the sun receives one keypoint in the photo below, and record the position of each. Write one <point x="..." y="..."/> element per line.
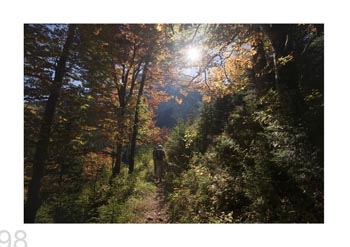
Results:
<point x="193" y="54"/>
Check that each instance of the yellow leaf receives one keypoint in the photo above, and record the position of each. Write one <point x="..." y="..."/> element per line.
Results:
<point x="159" y="27"/>
<point x="178" y="100"/>
<point x="206" y="98"/>
<point x="183" y="92"/>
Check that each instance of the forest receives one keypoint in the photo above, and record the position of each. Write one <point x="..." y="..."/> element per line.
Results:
<point x="238" y="109"/>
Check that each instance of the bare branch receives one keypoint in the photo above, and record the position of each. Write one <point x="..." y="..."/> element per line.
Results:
<point x="213" y="57"/>
<point x="195" y="33"/>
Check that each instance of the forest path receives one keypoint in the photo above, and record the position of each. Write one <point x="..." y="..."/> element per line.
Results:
<point x="155" y="208"/>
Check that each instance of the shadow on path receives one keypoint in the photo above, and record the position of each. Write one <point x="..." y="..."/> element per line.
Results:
<point x="155" y="210"/>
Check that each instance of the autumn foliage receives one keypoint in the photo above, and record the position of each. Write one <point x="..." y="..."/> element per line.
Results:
<point x="92" y="94"/>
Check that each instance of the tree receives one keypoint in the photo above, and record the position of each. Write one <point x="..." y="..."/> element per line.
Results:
<point x="156" y="52"/>
<point x="121" y="54"/>
<point x="260" y="149"/>
<point x="33" y="200"/>
<point x="112" y="76"/>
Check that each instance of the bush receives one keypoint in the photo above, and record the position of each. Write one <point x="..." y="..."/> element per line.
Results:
<point x="261" y="167"/>
<point x="128" y="192"/>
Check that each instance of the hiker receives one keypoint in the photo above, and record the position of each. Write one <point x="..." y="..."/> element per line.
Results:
<point x="159" y="162"/>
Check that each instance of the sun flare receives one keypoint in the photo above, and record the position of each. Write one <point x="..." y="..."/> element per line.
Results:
<point x="193" y="54"/>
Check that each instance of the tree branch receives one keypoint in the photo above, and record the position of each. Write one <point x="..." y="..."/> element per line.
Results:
<point x="135" y="73"/>
<point x="130" y="65"/>
<point x="308" y="44"/>
<point x="213" y="57"/>
<point x="205" y="81"/>
<point x="195" y="33"/>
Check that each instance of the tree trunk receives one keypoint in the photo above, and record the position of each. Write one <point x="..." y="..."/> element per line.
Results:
<point x="123" y="101"/>
<point x="260" y="62"/>
<point x="117" y="161"/>
<point x="124" y="98"/>
<point x="287" y="76"/>
<point x="136" y="121"/>
<point x="33" y="200"/>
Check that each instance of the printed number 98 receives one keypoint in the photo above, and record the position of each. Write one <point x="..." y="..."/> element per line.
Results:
<point x="5" y="239"/>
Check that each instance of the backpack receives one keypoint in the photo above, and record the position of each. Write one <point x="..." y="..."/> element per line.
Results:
<point x="159" y="154"/>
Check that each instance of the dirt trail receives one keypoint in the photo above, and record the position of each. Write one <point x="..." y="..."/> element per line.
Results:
<point x="155" y="208"/>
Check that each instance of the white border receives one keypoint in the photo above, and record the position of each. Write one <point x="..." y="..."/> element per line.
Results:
<point x="335" y="17"/>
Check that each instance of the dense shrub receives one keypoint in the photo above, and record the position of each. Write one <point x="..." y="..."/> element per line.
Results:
<point x="261" y="167"/>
